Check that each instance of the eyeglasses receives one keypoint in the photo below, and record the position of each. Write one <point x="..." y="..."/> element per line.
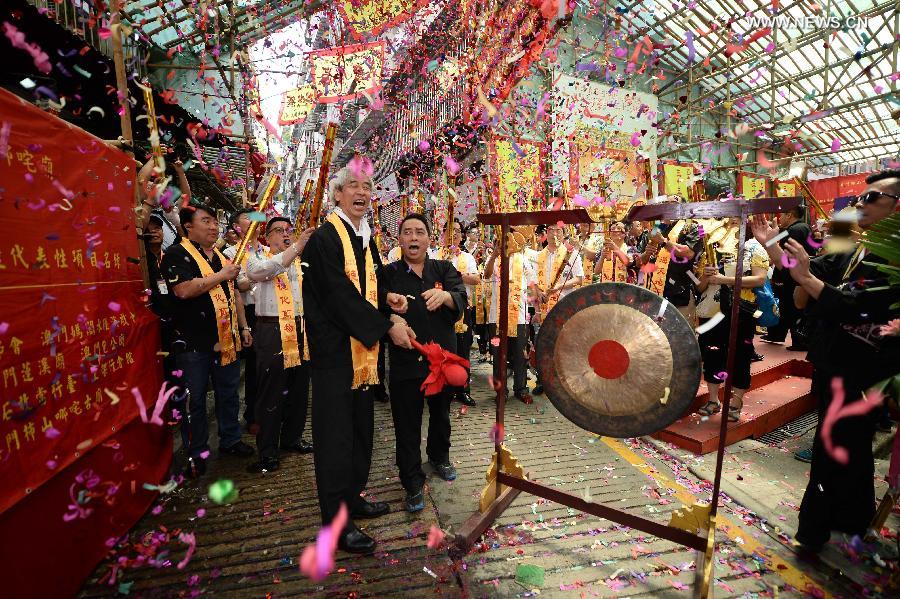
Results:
<point x="280" y="230"/>
<point x="870" y="197"/>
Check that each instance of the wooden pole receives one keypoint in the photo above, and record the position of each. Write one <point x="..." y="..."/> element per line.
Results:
<point x="303" y="208"/>
<point x="121" y="77"/>
<point x="330" y="134"/>
<point x="251" y="230"/>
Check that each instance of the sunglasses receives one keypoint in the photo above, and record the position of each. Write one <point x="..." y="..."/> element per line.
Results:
<point x="870" y="197"/>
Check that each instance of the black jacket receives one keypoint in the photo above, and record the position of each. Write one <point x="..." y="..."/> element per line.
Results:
<point x="334" y="311"/>
<point x="437" y="326"/>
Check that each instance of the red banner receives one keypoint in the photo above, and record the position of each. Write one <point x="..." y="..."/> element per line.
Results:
<point x="77" y="345"/>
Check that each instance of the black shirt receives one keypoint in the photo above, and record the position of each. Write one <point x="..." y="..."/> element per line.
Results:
<point x="851" y="309"/>
<point x="333" y="309"/>
<point x="679" y="285"/>
<point x="194" y="318"/>
<point x="799" y="232"/>
<point x="438" y="326"/>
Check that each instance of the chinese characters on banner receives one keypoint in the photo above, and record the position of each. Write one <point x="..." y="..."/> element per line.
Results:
<point x="75" y="338"/>
<point x="296" y="105"/>
<point x="678" y="179"/>
<point x="752" y="186"/>
<point x="372" y="17"/>
<point x="346" y="72"/>
<point x="516" y="168"/>
<point x="785" y="189"/>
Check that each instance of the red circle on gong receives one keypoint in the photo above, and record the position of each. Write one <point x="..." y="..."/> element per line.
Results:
<point x="609" y="359"/>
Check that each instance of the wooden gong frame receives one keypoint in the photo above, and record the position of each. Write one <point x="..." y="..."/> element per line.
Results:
<point x="479" y="522"/>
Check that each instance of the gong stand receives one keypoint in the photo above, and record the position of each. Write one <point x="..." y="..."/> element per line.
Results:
<point x="513" y="479"/>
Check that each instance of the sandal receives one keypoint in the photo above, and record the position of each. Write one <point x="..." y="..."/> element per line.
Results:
<point x="709" y="408"/>
<point x="734" y="413"/>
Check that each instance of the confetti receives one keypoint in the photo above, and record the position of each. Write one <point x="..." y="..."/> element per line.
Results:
<point x="317" y="560"/>
<point x="223" y="491"/>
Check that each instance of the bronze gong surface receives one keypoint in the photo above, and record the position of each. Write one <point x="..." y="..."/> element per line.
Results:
<point x="613" y="365"/>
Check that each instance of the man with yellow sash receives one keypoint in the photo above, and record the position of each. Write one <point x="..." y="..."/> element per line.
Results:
<point x="521" y="278"/>
<point x="341" y="301"/>
<point x="559" y="273"/>
<point x="283" y="393"/>
<point x="208" y="316"/>
<point x="464" y="262"/>
<point x="675" y="247"/>
<point x="588" y="244"/>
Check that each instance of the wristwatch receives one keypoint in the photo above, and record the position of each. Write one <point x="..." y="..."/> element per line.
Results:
<point x="248" y="329"/>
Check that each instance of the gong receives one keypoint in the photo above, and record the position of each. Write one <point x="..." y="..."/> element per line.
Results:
<point x="615" y="365"/>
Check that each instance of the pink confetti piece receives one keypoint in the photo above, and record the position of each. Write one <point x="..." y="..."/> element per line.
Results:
<point x="317" y="560"/>
<point x="835" y="144"/>
<point x="114" y="306"/>
<point x="451" y="165"/>
<point x="435" y="537"/>
<point x="201" y="512"/>
<point x="51" y="464"/>
<point x="361" y="167"/>
<point x="191" y="541"/>
<point x="4" y="326"/>
<point x="17" y="39"/>
<point x="787" y="261"/>
<point x="497" y="434"/>
<point x="204" y="454"/>
<point x="837" y="410"/>
<point x="5" y="130"/>
<point x="636" y="139"/>
<point x="51" y="433"/>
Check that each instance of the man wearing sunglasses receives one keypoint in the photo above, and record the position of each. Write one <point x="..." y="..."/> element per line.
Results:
<point x="852" y="300"/>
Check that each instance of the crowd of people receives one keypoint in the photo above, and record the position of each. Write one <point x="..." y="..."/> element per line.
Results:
<point x="321" y="312"/>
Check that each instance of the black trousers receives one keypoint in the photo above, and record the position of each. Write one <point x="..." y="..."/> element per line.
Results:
<point x="481" y="330"/>
<point x="343" y="428"/>
<point x="464" y="345"/>
<point x="282" y="393"/>
<point x="249" y="356"/>
<point x="516" y="354"/>
<point x="714" y="349"/>
<point x="789" y="316"/>
<point x="407" y="403"/>
<point x="839" y="496"/>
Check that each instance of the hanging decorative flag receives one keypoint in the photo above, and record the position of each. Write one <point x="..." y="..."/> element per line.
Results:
<point x="346" y="72"/>
<point x="751" y="185"/>
<point x="296" y="105"/>
<point x="516" y="170"/>
<point x="368" y="18"/>
<point x="785" y="189"/>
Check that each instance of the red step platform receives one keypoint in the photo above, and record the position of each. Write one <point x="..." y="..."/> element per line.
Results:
<point x="779" y="392"/>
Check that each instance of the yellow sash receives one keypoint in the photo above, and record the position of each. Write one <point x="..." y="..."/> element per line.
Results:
<point x="613" y="270"/>
<point x="515" y="295"/>
<point x="663" y="258"/>
<point x="287" y="323"/>
<point x="547" y="279"/>
<point x="461" y="326"/>
<point x="365" y="360"/>
<point x="482" y="302"/>
<point x="226" y="311"/>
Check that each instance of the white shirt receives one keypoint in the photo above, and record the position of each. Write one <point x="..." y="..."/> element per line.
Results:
<point x="572" y="269"/>
<point x="529" y="277"/>
<point x="248" y="296"/>
<point x="470" y="267"/>
<point x="263" y="270"/>
<point x="364" y="230"/>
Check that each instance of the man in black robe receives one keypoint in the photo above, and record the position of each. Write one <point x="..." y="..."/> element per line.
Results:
<point x="853" y="303"/>
<point x="440" y="299"/>
<point x="342" y="416"/>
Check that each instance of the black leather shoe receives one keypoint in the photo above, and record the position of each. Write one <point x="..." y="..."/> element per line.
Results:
<point x="465" y="399"/>
<point x="756" y="358"/>
<point x="445" y="470"/>
<point x="370" y="509"/>
<point x="300" y="446"/>
<point x="356" y="541"/>
<point x="264" y="465"/>
<point x="798" y="348"/>
<point x="381" y="394"/>
<point x="239" y="449"/>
